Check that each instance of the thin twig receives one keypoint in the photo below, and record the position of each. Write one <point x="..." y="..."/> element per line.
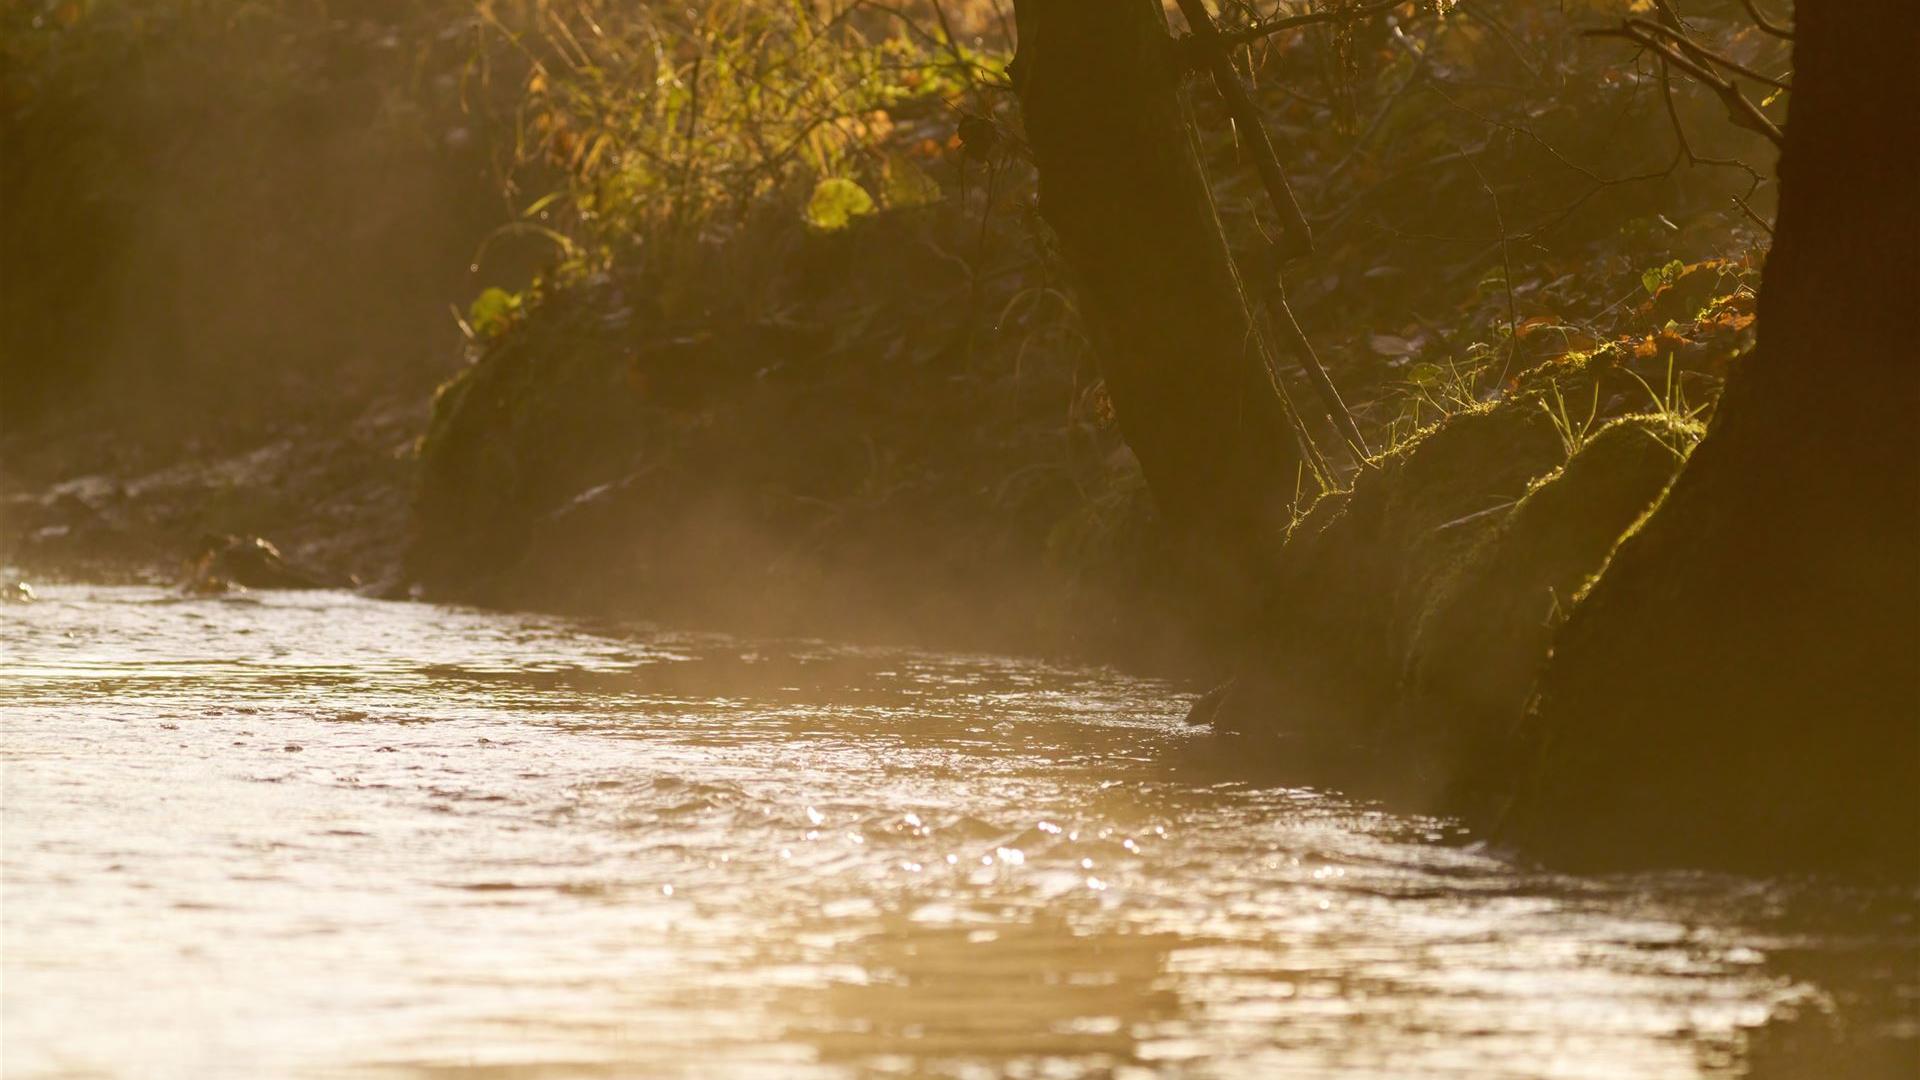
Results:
<point x="1706" y="55"/>
<point x="1260" y="337"/>
<point x="1756" y="218"/>
<point x="1507" y="38"/>
<point x="1598" y="183"/>
<point x="1419" y="61"/>
<point x="1506" y="274"/>
<point x="1284" y="325"/>
<point x="1764" y="23"/>
<point x="1744" y="111"/>
<point x="953" y="46"/>
<point x="1670" y="15"/>
<point x="1251" y="34"/>
<point x="1680" y="132"/>
<point x="1297" y="234"/>
<point x="693" y="132"/>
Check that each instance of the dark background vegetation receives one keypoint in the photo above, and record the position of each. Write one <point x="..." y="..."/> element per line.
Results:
<point x="216" y="213"/>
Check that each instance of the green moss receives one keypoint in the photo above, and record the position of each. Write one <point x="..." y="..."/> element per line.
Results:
<point x="1477" y="649"/>
<point x="1413" y="612"/>
<point x="1361" y="568"/>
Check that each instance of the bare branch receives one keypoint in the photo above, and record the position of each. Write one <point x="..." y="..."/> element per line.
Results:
<point x="1757" y="219"/>
<point x="1766" y="24"/>
<point x="1506" y="274"/>
<point x="1680" y="132"/>
<point x="1670" y="16"/>
<point x="1212" y="49"/>
<point x="1281" y="324"/>
<point x="1706" y="55"/>
<point x="1254" y="33"/>
<point x="1743" y="111"/>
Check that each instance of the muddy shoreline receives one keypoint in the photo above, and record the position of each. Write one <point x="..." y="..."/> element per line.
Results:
<point x="78" y="504"/>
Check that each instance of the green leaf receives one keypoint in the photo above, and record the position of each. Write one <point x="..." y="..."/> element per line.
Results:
<point x="493" y="311"/>
<point x="835" y="203"/>
<point x="1653" y="279"/>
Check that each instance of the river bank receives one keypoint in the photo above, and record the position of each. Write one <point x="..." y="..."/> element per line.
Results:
<point x="84" y="502"/>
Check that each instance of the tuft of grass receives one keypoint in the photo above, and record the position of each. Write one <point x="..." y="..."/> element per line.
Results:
<point x="1573" y="435"/>
<point x="1434" y="392"/>
<point x="1680" y="426"/>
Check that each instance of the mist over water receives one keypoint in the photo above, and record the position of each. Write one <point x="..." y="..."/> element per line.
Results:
<point x="310" y="834"/>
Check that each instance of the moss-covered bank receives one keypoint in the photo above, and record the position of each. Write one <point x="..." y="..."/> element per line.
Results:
<point x="864" y="434"/>
<point x="1408" y="617"/>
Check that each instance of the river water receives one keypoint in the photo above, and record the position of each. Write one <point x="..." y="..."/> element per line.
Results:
<point x="310" y="834"/>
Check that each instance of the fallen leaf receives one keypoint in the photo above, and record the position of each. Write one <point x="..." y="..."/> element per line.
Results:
<point x="1391" y="345"/>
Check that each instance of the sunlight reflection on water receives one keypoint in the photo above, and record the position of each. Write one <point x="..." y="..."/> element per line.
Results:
<point x="311" y="834"/>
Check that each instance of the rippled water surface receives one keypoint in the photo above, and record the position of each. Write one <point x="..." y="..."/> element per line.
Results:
<point x="311" y="834"/>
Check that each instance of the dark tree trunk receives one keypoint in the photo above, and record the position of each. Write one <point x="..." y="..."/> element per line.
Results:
<point x="1122" y="186"/>
<point x="1740" y="685"/>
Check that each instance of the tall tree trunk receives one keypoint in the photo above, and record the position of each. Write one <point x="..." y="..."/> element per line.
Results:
<point x="1122" y="186"/>
<point x="1740" y="684"/>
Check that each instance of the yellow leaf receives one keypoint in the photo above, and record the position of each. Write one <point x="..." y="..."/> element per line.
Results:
<point x="835" y="203"/>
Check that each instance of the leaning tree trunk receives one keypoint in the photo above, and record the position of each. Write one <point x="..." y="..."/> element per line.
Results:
<point x="1122" y="187"/>
<point x="1740" y="685"/>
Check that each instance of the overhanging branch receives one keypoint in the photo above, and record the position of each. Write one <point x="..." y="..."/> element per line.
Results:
<point x="1766" y="24"/>
<point x="1653" y="38"/>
